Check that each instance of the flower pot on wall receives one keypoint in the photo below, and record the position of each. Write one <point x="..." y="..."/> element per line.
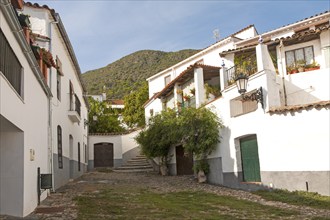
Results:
<point x="201" y="176"/>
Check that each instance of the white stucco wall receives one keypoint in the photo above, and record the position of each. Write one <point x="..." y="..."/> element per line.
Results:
<point x="30" y="115"/>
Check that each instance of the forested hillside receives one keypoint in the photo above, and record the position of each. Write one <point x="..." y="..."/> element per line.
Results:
<point x="126" y="74"/>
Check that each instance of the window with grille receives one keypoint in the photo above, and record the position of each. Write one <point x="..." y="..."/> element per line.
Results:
<point x="59" y="147"/>
<point x="10" y="65"/>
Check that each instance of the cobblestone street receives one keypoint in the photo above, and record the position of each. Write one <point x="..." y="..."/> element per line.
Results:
<point x="60" y="205"/>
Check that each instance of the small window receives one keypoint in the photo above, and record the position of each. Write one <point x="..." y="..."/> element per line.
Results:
<point x="10" y="65"/>
<point x="302" y="55"/>
<point x="167" y="80"/>
<point x="59" y="147"/>
<point x="58" y="78"/>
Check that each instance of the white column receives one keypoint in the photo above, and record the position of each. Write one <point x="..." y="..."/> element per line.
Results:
<point x="264" y="60"/>
<point x="199" y="86"/>
<point x="223" y="77"/>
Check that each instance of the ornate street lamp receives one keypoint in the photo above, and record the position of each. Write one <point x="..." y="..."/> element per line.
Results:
<point x="241" y="83"/>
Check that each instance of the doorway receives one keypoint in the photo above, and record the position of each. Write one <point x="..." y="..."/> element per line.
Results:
<point x="250" y="159"/>
<point x="103" y="155"/>
<point x="184" y="162"/>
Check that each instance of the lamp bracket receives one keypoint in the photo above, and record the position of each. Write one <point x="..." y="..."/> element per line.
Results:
<point x="255" y="96"/>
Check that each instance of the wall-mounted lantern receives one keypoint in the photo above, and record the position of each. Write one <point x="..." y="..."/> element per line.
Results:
<point x="241" y="83"/>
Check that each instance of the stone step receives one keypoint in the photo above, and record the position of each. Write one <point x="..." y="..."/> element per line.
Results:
<point x="134" y="171"/>
<point x="133" y="167"/>
<point x="137" y="162"/>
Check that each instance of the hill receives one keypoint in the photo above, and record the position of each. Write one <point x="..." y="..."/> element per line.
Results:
<point x="126" y="74"/>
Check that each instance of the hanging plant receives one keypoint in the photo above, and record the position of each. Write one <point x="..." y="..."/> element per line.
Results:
<point x="193" y="91"/>
<point x="47" y="58"/>
<point x="186" y="97"/>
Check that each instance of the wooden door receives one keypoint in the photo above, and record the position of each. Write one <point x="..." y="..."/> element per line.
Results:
<point x="103" y="155"/>
<point x="184" y="163"/>
<point x="250" y="159"/>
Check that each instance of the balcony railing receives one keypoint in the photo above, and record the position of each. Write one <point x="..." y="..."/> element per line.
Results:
<point x="248" y="66"/>
<point x="75" y="108"/>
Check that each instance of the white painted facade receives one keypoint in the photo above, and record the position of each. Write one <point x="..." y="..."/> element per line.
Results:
<point x="23" y="128"/>
<point x="28" y="121"/>
<point x="124" y="147"/>
<point x="292" y="131"/>
<point x="48" y="24"/>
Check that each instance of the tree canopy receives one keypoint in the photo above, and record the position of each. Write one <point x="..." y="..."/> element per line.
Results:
<point x="133" y="113"/>
<point x="103" y="119"/>
<point x="197" y="130"/>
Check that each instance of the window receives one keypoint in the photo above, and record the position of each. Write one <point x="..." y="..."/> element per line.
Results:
<point x="78" y="156"/>
<point x="167" y="80"/>
<point x="71" y="95"/>
<point x="10" y="65"/>
<point x="294" y="57"/>
<point x="59" y="147"/>
<point x="58" y="78"/>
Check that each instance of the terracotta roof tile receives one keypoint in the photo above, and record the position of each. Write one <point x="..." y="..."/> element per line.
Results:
<point x="304" y="33"/>
<point x="115" y="102"/>
<point x="313" y="16"/>
<point x="295" y="108"/>
<point x="184" y="73"/>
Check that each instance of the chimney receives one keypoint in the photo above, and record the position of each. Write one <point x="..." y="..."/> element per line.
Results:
<point x="104" y="96"/>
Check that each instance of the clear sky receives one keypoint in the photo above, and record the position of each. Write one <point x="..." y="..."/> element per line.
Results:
<point x="102" y="32"/>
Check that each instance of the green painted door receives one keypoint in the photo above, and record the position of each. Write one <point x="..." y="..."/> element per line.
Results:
<point x="250" y="159"/>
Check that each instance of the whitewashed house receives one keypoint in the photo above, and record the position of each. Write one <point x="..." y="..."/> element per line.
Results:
<point x="69" y="107"/>
<point x="278" y="141"/>
<point x="42" y="128"/>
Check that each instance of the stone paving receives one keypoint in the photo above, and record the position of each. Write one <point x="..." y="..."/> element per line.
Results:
<point x="60" y="205"/>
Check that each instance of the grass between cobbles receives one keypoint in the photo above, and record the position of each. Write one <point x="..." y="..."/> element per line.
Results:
<point x="129" y="203"/>
<point x="299" y="198"/>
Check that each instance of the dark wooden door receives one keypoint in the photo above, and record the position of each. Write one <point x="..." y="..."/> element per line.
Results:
<point x="103" y="155"/>
<point x="250" y="159"/>
<point x="184" y="163"/>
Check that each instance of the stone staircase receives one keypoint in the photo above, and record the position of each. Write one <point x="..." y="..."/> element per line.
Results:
<point x="137" y="164"/>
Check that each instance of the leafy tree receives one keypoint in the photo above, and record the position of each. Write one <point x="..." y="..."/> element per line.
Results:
<point x="200" y="131"/>
<point x="161" y="134"/>
<point x="133" y="114"/>
<point x="103" y="119"/>
<point x="196" y="129"/>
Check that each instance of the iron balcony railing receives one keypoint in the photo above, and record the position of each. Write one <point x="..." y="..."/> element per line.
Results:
<point x="75" y="104"/>
<point x="247" y="67"/>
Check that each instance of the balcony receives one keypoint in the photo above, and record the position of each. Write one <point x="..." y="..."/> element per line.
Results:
<point x="74" y="111"/>
<point x="246" y="66"/>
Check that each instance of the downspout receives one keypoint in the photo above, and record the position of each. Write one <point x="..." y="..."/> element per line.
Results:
<point x="283" y="80"/>
<point x="50" y="104"/>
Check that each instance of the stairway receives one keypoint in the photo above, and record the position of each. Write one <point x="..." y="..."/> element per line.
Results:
<point x="137" y="164"/>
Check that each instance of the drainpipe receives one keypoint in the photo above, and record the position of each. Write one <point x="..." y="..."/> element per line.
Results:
<point x="50" y="104"/>
<point x="283" y="80"/>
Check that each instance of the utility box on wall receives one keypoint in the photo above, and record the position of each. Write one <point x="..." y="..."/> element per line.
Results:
<point x="45" y="181"/>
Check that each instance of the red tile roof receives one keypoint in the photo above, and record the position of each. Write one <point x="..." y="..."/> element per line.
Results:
<point x="115" y="102"/>
<point x="184" y="75"/>
<point x="295" y="108"/>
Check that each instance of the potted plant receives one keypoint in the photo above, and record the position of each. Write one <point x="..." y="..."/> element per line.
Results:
<point x="301" y="65"/>
<point x="24" y="20"/>
<point x="202" y="168"/>
<point x="186" y="97"/>
<point x="313" y="66"/>
<point x="179" y="92"/>
<point x="291" y="69"/>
